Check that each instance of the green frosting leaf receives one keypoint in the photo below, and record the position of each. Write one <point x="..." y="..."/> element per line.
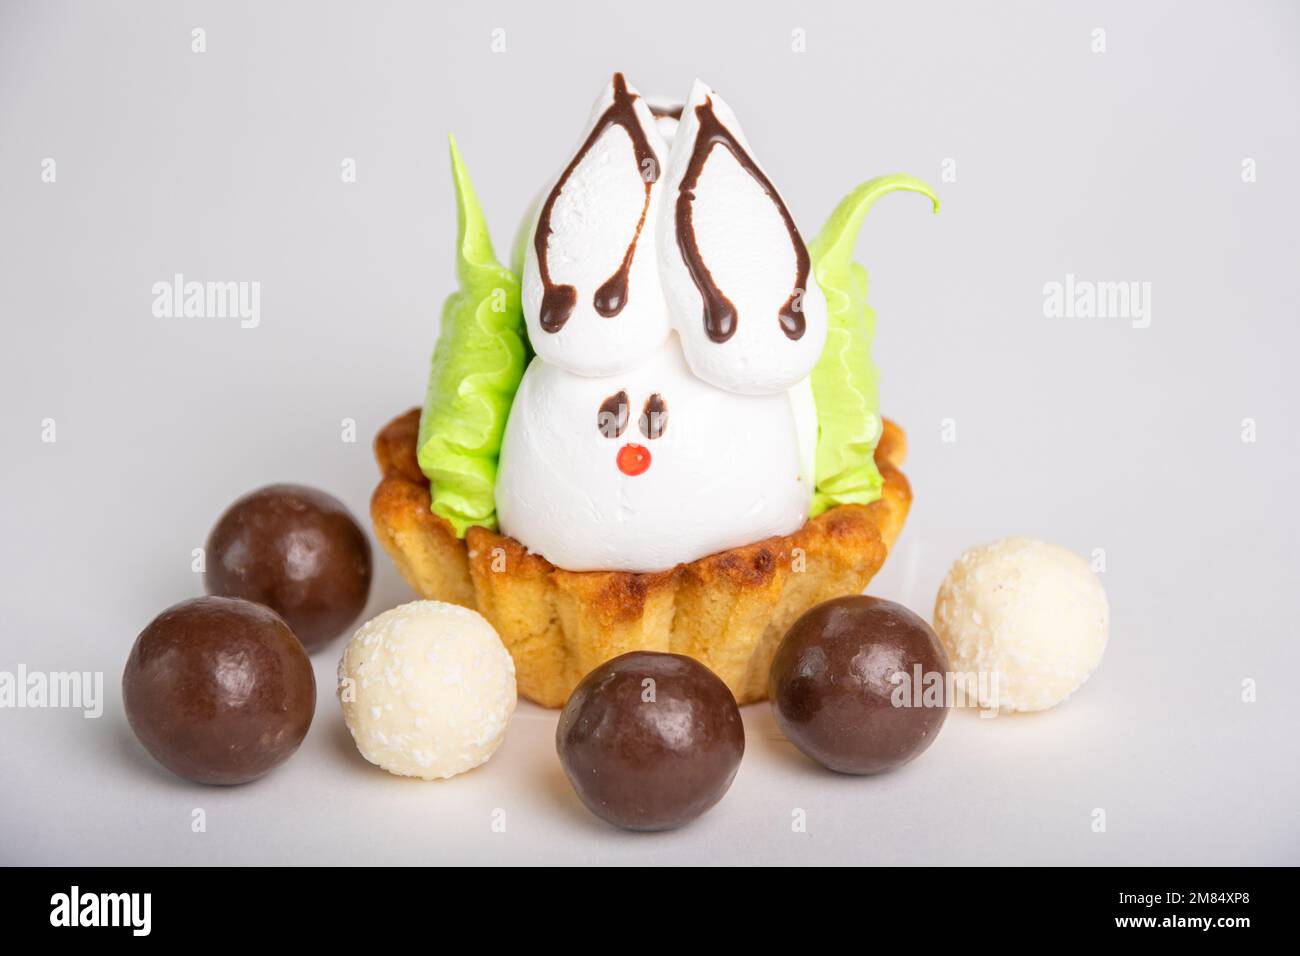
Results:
<point x="477" y="365"/>
<point x="845" y="381"/>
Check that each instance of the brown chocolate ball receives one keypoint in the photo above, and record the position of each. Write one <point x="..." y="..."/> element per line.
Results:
<point x="298" y="551"/>
<point x="837" y="684"/>
<point x="650" y="741"/>
<point x="219" y="690"/>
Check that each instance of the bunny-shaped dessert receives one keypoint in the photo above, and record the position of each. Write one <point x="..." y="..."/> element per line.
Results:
<point x="686" y="287"/>
<point x="659" y="427"/>
<point x="661" y="282"/>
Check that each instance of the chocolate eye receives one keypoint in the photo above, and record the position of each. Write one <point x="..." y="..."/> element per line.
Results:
<point x="654" y="416"/>
<point x="611" y="420"/>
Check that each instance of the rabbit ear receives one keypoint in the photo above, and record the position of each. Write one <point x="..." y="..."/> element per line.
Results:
<point x="736" y="273"/>
<point x="591" y="292"/>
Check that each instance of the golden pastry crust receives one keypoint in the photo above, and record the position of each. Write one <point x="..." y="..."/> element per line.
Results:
<point x="727" y="610"/>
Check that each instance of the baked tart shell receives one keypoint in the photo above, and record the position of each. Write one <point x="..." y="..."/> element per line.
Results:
<point x="728" y="610"/>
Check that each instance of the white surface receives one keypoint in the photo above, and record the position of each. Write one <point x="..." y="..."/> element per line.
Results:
<point x="1091" y="433"/>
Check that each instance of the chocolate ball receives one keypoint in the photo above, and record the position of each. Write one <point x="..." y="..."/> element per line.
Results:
<point x="219" y="690"/>
<point x="845" y="689"/>
<point x="298" y="551"/>
<point x="650" y="741"/>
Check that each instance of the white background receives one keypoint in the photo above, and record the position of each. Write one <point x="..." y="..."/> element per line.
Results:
<point x="1117" y="166"/>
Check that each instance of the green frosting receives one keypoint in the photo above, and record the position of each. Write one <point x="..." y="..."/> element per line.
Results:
<point x="477" y="365"/>
<point x="845" y="381"/>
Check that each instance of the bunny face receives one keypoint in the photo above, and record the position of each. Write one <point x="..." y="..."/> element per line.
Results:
<point x="637" y="238"/>
<point x="649" y="468"/>
<point x="612" y="420"/>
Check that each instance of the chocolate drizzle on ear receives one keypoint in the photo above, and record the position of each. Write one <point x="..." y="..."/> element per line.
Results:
<point x="558" y="301"/>
<point x="719" y="312"/>
<point x="612" y="418"/>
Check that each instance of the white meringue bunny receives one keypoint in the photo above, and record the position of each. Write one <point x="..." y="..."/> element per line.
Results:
<point x="667" y="414"/>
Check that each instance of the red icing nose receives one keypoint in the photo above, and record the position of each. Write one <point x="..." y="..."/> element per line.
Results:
<point x="633" y="459"/>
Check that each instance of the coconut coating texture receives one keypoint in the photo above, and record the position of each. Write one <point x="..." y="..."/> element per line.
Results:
<point x="427" y="690"/>
<point x="1030" y="612"/>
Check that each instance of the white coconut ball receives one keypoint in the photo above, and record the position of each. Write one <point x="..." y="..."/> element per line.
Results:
<point x="427" y="690"/>
<point x="1030" y="612"/>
